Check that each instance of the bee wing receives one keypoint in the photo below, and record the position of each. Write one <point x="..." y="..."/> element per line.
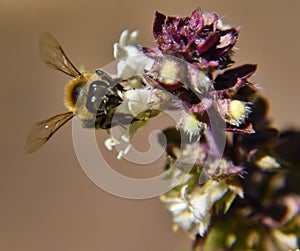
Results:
<point x="54" y="56"/>
<point x="42" y="131"/>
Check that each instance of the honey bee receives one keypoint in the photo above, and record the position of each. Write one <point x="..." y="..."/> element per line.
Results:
<point x="92" y="97"/>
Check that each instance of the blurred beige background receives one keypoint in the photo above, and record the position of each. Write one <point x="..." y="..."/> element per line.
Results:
<point x="47" y="202"/>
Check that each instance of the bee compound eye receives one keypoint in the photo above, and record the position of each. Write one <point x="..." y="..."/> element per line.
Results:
<point x="96" y="96"/>
<point x="76" y="92"/>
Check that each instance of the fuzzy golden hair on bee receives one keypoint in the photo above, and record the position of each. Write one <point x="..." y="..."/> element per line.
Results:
<point x="91" y="97"/>
<point x="73" y="89"/>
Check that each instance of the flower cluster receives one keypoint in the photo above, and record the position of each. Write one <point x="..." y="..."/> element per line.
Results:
<point x="200" y="39"/>
<point x="236" y="190"/>
<point x="248" y="176"/>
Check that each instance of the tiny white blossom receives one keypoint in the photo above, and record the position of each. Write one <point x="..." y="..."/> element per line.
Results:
<point x="192" y="211"/>
<point x="285" y="241"/>
<point x="124" y="152"/>
<point x="267" y="162"/>
<point x="132" y="61"/>
<point x="191" y="125"/>
<point x="111" y="142"/>
<point x="222" y="26"/>
<point x="238" y="112"/>
<point x="235" y="112"/>
<point x="127" y="45"/>
<point x="136" y="101"/>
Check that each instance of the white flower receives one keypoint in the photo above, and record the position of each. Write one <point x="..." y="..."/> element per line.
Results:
<point x="182" y="216"/>
<point x="222" y="26"/>
<point x="121" y="142"/>
<point x="137" y="101"/>
<point x="191" y="125"/>
<point x="127" y="46"/>
<point x="235" y="112"/>
<point x="238" y="112"/>
<point x="285" y="241"/>
<point x="192" y="211"/>
<point x="131" y="60"/>
<point x="267" y="162"/>
<point x="111" y="142"/>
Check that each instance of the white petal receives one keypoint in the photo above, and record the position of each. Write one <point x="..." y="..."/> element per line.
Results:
<point x="133" y="38"/>
<point x="123" y="38"/>
<point x="185" y="220"/>
<point x="204" y="225"/>
<point x="199" y="206"/>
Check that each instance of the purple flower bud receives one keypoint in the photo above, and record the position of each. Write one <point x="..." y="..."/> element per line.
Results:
<point x="198" y="39"/>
